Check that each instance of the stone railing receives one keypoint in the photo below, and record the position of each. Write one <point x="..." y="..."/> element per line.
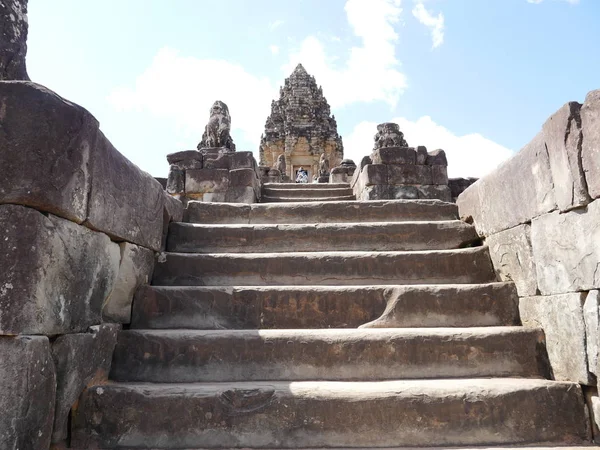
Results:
<point x="539" y="213"/>
<point x="214" y="175"/>
<point x="402" y="173"/>
<point x="81" y="228"/>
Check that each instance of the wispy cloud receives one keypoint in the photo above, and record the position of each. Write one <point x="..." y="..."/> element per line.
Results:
<point x="276" y="24"/>
<point x="274" y="49"/>
<point x="434" y="23"/>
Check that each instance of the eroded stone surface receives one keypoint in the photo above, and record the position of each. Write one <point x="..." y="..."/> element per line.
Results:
<point x="46" y="144"/>
<point x="590" y="152"/>
<point x="135" y="269"/>
<point x="566" y="250"/>
<point x="125" y="202"/>
<point x="201" y="181"/>
<point x="561" y="317"/>
<point x="13" y="45"/>
<point x="55" y="274"/>
<point x="27" y="392"/>
<point x="514" y="193"/>
<point x="80" y="359"/>
<point x="591" y="315"/>
<point x="512" y="256"/>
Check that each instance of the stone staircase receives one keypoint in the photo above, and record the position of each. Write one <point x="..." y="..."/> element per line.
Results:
<point x="327" y="324"/>
<point x="315" y="192"/>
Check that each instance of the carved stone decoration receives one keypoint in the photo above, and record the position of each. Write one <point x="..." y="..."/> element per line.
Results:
<point x="280" y="164"/>
<point x="323" y="166"/>
<point x="217" y="131"/>
<point x="301" y="127"/>
<point x="389" y="135"/>
<point x="13" y="39"/>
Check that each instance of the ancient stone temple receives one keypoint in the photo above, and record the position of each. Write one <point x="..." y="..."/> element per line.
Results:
<point x="301" y="127"/>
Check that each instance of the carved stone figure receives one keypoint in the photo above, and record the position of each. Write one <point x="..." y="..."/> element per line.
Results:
<point x="217" y="131"/>
<point x="389" y="135"/>
<point x="323" y="166"/>
<point x="280" y="164"/>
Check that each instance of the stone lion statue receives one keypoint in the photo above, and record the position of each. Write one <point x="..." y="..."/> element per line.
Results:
<point x="389" y="135"/>
<point x="218" y="128"/>
<point x="280" y="164"/>
<point x="323" y="165"/>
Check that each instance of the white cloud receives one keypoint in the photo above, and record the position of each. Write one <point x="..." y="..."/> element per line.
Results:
<point x="470" y="155"/>
<point x="276" y="24"/>
<point x="371" y="72"/>
<point x="434" y="23"/>
<point x="274" y="49"/>
<point x="184" y="88"/>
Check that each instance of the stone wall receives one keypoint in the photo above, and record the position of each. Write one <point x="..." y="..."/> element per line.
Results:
<point x="81" y="226"/>
<point x="402" y="173"/>
<point x="214" y="175"/>
<point x="539" y="213"/>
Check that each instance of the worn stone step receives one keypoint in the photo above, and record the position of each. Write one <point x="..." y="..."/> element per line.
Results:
<point x="184" y="356"/>
<point x="462" y="266"/>
<point x="399" y="236"/>
<point x="277" y="199"/>
<point x="253" y="307"/>
<point x="311" y="193"/>
<point x="272" y="414"/>
<point x="316" y="186"/>
<point x="321" y="212"/>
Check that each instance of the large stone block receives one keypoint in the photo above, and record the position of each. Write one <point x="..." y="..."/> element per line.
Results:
<point x="45" y="147"/>
<point x="200" y="181"/>
<point x="241" y="194"/>
<point x="174" y="208"/>
<point x="561" y="317"/>
<point x="517" y="191"/>
<point x="374" y="174"/>
<point x="54" y="274"/>
<point x="137" y="264"/>
<point x="242" y="160"/>
<point x="434" y="191"/>
<point x="187" y="159"/>
<point x="409" y="174"/>
<point x="512" y="257"/>
<point x="591" y="315"/>
<point x="125" y="202"/>
<point x="566" y="250"/>
<point x="243" y="177"/>
<point x="27" y="392"/>
<point x="80" y="359"/>
<point x="590" y="151"/>
<point x="176" y="181"/>
<point x="563" y="136"/>
<point x="394" y="155"/>
<point x="13" y="29"/>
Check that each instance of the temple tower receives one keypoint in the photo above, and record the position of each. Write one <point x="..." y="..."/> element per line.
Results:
<point x="301" y="127"/>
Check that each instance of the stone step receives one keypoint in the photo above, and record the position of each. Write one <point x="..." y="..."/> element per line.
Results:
<point x="253" y="307"/>
<point x="311" y="193"/>
<point x="317" y="186"/>
<point x="399" y="236"/>
<point x="321" y="212"/>
<point x="463" y="266"/>
<point x="186" y="356"/>
<point x="276" y="199"/>
<point x="457" y="412"/>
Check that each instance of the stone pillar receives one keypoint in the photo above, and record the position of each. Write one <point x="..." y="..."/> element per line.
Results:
<point x="13" y="39"/>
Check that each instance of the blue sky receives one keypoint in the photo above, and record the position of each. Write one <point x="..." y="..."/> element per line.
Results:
<point x="475" y="77"/>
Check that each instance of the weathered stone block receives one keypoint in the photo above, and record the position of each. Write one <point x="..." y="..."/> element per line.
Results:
<point x="401" y="192"/>
<point x="436" y="158"/>
<point x="125" y="202"/>
<point x="217" y="160"/>
<point x="213" y="197"/>
<point x="27" y="392"/>
<point x="243" y="177"/>
<point x="13" y="29"/>
<point x="512" y="257"/>
<point x="201" y="181"/>
<point x="563" y="136"/>
<point x="517" y="191"/>
<point x="242" y="160"/>
<point x="591" y="315"/>
<point x="394" y="155"/>
<point x="459" y="185"/>
<point x="162" y="181"/>
<point x="45" y="146"/>
<point x="566" y="250"/>
<point x="561" y="317"/>
<point x="185" y="155"/>
<point x="80" y="359"/>
<point x="54" y="274"/>
<point x="374" y="174"/>
<point x="439" y="175"/>
<point x="174" y="208"/>
<point x="435" y="191"/>
<point x="409" y="174"/>
<point x="137" y="264"/>
<point x="421" y="154"/>
<point x="176" y="181"/>
<point x="241" y="194"/>
<point x="590" y="148"/>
